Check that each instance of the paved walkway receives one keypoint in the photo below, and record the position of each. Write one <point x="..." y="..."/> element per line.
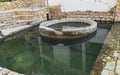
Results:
<point x="108" y="61"/>
<point x="9" y="31"/>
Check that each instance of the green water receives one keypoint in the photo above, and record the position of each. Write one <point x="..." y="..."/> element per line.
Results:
<point x="28" y="54"/>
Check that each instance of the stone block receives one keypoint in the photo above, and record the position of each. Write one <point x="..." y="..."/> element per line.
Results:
<point x="54" y="11"/>
<point x="13" y="73"/>
<point x="1" y="68"/>
<point x="107" y="72"/>
<point x="5" y="71"/>
<point x="118" y="67"/>
<point x="110" y="65"/>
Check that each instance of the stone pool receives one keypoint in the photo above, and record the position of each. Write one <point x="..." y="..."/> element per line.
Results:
<point x="28" y="54"/>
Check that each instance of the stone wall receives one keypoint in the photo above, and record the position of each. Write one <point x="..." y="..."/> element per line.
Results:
<point x="21" y="3"/>
<point x="55" y="11"/>
<point x="117" y="11"/>
<point x="35" y="3"/>
<point x="39" y="3"/>
<point x="21" y="16"/>
<point x="67" y="32"/>
<point x="11" y="5"/>
<point x="4" y="71"/>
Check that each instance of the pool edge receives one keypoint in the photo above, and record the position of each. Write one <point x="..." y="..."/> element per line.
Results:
<point x="108" y="60"/>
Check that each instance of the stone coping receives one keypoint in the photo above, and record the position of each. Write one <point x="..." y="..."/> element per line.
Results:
<point x="72" y="30"/>
<point x="21" y="9"/>
<point x="108" y="60"/>
<point x="4" y="71"/>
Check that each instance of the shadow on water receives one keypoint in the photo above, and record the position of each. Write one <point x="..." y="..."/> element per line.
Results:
<point x="28" y="54"/>
<point x="67" y="41"/>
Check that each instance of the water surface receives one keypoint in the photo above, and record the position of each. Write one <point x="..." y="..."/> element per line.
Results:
<point x="29" y="55"/>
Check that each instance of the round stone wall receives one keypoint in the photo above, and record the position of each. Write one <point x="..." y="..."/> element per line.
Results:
<point x="67" y="33"/>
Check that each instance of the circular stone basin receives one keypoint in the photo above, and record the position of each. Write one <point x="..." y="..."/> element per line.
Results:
<point x="69" y="28"/>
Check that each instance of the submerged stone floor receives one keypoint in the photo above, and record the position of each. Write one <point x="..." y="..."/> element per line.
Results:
<point x="4" y="71"/>
<point x="108" y="61"/>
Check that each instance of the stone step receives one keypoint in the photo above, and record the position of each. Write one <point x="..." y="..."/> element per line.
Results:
<point x="28" y="22"/>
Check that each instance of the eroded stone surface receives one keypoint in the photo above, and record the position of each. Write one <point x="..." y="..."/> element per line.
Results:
<point x="67" y="32"/>
<point x="1" y="68"/>
<point x="13" y="73"/>
<point x="4" y="71"/>
<point x="118" y="67"/>
<point x="110" y="65"/>
<point x="107" y="72"/>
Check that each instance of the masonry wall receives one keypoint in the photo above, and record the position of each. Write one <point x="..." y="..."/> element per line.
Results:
<point x="21" y="4"/>
<point x="35" y="3"/>
<point x="12" y="5"/>
<point x="117" y="10"/>
<point x="55" y="11"/>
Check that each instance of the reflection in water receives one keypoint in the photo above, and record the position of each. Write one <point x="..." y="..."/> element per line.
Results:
<point x="84" y="57"/>
<point x="31" y="56"/>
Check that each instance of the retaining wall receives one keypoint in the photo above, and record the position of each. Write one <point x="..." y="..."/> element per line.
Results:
<point x="21" y="16"/>
<point x="55" y="11"/>
<point x="113" y="14"/>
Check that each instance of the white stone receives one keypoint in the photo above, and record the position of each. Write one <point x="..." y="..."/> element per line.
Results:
<point x="105" y="72"/>
<point x="9" y="31"/>
<point x="118" y="67"/>
<point x="5" y="71"/>
<point x="116" y="54"/>
<point x="108" y="58"/>
<point x="13" y="73"/>
<point x="104" y="60"/>
<point x="110" y="65"/>
<point x="1" y="68"/>
<point x="84" y="5"/>
<point x="119" y="56"/>
<point x="0" y="73"/>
